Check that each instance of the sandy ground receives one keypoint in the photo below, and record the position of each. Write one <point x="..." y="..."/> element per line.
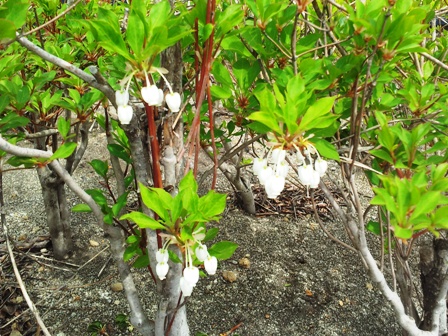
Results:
<point x="289" y="278"/>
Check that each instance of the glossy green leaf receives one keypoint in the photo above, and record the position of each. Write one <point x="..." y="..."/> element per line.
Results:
<point x="143" y="221"/>
<point x="81" y="208"/>
<point x="223" y="250"/>
<point x="64" y="151"/>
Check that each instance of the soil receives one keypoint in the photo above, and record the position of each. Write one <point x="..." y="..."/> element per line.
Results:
<point x="286" y="277"/>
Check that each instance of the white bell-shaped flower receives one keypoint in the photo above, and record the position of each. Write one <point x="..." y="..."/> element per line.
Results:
<point x="265" y="173"/>
<point x="259" y="163"/>
<point x="191" y="274"/>
<point x="185" y="286"/>
<point x="173" y="100"/>
<point x="122" y="97"/>
<point x="321" y="166"/>
<point x="314" y="179"/>
<point x="282" y="168"/>
<point x="125" y="113"/>
<point x="211" y="264"/>
<point x="278" y="155"/>
<point x="300" y="158"/>
<point x="160" y="98"/>
<point x="274" y="186"/>
<point x="162" y="269"/>
<point x="201" y="252"/>
<point x="162" y="255"/>
<point x="305" y="173"/>
<point x="151" y="95"/>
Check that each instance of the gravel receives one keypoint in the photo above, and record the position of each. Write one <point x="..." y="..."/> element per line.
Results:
<point x="286" y="277"/>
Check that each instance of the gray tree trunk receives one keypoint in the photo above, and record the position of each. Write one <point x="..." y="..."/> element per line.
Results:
<point x="58" y="216"/>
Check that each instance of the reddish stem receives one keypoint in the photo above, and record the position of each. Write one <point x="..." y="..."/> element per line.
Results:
<point x="155" y="154"/>
<point x="212" y="136"/>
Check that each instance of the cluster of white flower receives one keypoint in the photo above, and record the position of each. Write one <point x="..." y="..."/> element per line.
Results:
<point x="151" y="94"/>
<point x="191" y="273"/>
<point x="272" y="177"/>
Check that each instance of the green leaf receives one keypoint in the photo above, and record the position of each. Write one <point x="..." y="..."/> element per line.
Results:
<point x="64" y="151"/>
<point x="97" y="196"/>
<point x="121" y="202"/>
<point x="326" y="149"/>
<point x="223" y="250"/>
<point x="81" y="208"/>
<point x="142" y="261"/>
<point x="63" y="127"/>
<point x="268" y="119"/>
<point x="403" y="233"/>
<point x="211" y="234"/>
<point x="100" y="167"/>
<point x="212" y="204"/>
<point x="143" y="221"/>
<point x="158" y="200"/>
<point x="374" y="227"/>
<point x="120" y="152"/>
<point x="173" y="257"/>
<point x="136" y="31"/>
<point x="7" y="31"/>
<point x="313" y="116"/>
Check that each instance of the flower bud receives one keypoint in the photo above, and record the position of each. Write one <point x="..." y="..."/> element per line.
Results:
<point x="151" y="95"/>
<point x="186" y="287"/>
<point x="125" y="113"/>
<point x="211" y="264"/>
<point x="173" y="101"/>
<point x="162" y="270"/>
<point x="201" y="252"/>
<point x="122" y="97"/>
<point x="162" y="255"/>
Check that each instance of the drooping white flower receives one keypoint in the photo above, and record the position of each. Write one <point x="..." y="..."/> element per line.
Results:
<point x="282" y="168"/>
<point x="191" y="274"/>
<point x="211" y="264"/>
<point x="150" y="95"/>
<point x="314" y="179"/>
<point x="264" y="174"/>
<point x="125" y="113"/>
<point x="185" y="286"/>
<point x="173" y="100"/>
<point x="321" y="166"/>
<point x="300" y="158"/>
<point x="305" y="171"/>
<point x="278" y="155"/>
<point x="162" y="255"/>
<point x="201" y="252"/>
<point x="274" y="186"/>
<point x="162" y="269"/>
<point x="259" y="163"/>
<point x="122" y="97"/>
<point x="160" y="99"/>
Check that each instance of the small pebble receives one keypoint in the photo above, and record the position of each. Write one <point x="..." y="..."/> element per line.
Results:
<point x="116" y="287"/>
<point x="94" y="243"/>
<point x="229" y="276"/>
<point x="244" y="262"/>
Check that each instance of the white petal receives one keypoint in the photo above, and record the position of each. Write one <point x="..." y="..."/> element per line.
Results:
<point x="162" y="255"/>
<point x="201" y="252"/>
<point x="259" y="163"/>
<point x="185" y="287"/>
<point x="125" y="114"/>
<point x="191" y="274"/>
<point x="274" y="186"/>
<point x="264" y="174"/>
<point x="162" y="270"/>
<point x="173" y="101"/>
<point x="278" y="155"/>
<point x="121" y="97"/>
<point x="283" y="168"/>
<point x="305" y="173"/>
<point x="321" y="166"/>
<point x="315" y="179"/>
<point x="150" y="95"/>
<point x="211" y="265"/>
<point x="160" y="98"/>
